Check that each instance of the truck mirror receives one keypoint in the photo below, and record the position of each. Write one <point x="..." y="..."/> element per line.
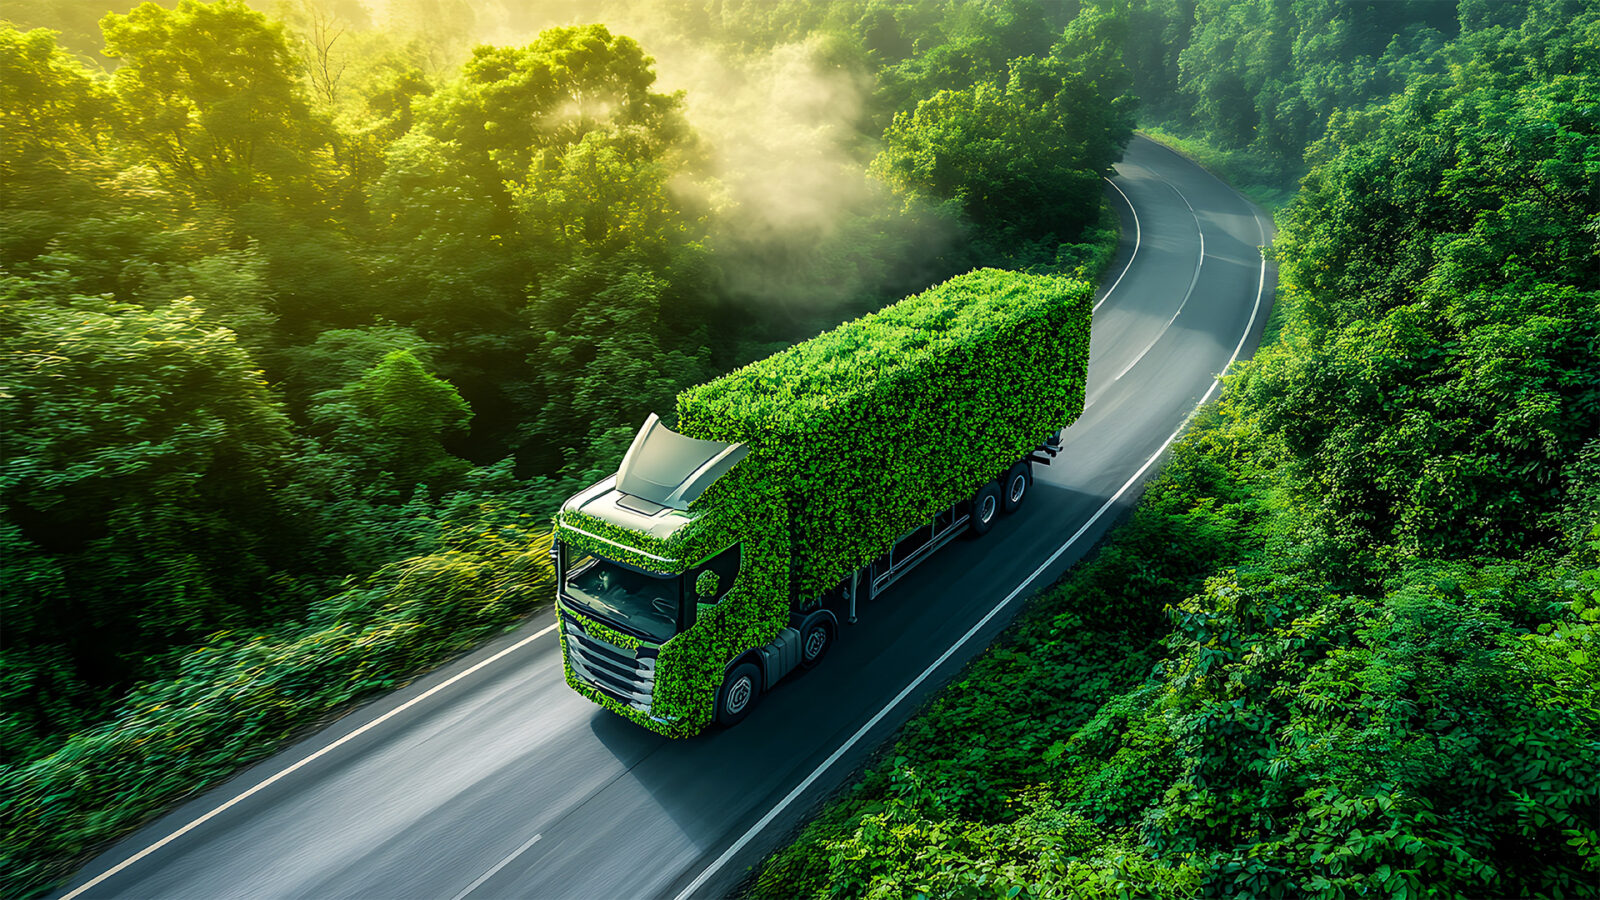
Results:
<point x="706" y="583"/>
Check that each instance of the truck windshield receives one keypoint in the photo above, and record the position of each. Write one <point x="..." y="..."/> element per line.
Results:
<point x="645" y="602"/>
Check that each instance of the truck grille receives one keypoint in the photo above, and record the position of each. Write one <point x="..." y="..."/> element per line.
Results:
<point x="610" y="668"/>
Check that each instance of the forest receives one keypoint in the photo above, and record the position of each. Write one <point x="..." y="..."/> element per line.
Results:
<point x="312" y="310"/>
<point x="1346" y="645"/>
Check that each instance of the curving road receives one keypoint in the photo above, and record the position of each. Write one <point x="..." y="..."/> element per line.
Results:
<point x="490" y="778"/>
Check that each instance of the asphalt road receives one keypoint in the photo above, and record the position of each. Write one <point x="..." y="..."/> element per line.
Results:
<point x="490" y="778"/>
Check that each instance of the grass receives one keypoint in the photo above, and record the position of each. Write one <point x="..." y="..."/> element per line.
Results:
<point x="1256" y="175"/>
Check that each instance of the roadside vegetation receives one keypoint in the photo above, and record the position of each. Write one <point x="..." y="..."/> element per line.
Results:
<point x="311" y="313"/>
<point x="1247" y="171"/>
<point x="1346" y="645"/>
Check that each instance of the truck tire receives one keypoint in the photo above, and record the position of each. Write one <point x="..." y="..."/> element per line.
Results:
<point x="985" y="509"/>
<point x="815" y="641"/>
<point x="1019" y="478"/>
<point x="738" y="695"/>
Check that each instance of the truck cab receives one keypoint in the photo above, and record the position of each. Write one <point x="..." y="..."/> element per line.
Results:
<point x="654" y="569"/>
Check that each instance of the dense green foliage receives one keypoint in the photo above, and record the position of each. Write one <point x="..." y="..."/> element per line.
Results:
<point x="1348" y="643"/>
<point x="392" y="419"/>
<point x="1025" y="155"/>
<point x="1265" y="75"/>
<point x="151" y="481"/>
<point x="875" y="426"/>
<point x="295" y="294"/>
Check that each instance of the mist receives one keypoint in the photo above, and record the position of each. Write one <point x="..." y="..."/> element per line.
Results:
<point x="786" y="132"/>
<point x="803" y="225"/>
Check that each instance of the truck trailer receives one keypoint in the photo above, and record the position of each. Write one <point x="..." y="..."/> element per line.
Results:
<point x="728" y="552"/>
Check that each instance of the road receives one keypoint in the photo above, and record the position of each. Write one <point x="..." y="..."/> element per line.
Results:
<point x="490" y="778"/>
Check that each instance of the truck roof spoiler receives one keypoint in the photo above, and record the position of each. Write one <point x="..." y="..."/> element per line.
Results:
<point x="668" y="470"/>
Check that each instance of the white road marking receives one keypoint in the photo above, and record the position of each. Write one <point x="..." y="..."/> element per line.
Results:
<point x="279" y="776"/>
<point x="1185" y="201"/>
<point x="498" y="866"/>
<point x="854" y="739"/>
<point x="1138" y="238"/>
<point x="1194" y="279"/>
<point x="1261" y="284"/>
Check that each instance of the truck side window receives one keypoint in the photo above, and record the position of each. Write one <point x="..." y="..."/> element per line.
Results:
<point x="725" y="566"/>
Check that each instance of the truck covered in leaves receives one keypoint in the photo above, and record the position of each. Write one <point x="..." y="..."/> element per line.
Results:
<point x="726" y="553"/>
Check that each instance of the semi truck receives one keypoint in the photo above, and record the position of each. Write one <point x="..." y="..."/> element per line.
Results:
<point x="729" y="549"/>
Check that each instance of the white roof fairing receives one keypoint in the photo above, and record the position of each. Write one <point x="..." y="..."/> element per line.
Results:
<point x="660" y="476"/>
<point x="671" y="470"/>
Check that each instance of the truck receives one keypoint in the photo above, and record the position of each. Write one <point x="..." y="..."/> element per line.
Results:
<point x="728" y="551"/>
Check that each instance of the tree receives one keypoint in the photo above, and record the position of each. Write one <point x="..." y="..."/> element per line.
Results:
<point x="53" y="106"/>
<point x="604" y="360"/>
<point x="391" y="423"/>
<point x="1023" y="159"/>
<point x="539" y="160"/>
<point x="341" y="355"/>
<point x="447" y="254"/>
<point x="975" y="43"/>
<point x="1443" y="375"/>
<point x="210" y="92"/>
<point x="603" y="195"/>
<point x="446" y="196"/>
<point x="54" y="113"/>
<point x="142" y="482"/>
<point x="512" y="102"/>
<point x="1267" y="74"/>
<point x="322" y="27"/>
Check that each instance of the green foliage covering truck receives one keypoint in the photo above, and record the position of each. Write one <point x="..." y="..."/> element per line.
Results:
<point x="723" y="555"/>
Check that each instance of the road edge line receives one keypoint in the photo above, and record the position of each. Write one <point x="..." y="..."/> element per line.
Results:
<point x="1138" y="240"/>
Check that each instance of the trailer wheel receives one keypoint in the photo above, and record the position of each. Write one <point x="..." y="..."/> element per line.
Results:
<point x="738" y="694"/>
<point x="1017" y="482"/>
<point x="985" y="509"/>
<point x="815" y="642"/>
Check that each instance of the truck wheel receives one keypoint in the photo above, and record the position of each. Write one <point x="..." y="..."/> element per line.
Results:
<point x="985" y="509"/>
<point x="738" y="695"/>
<point x="814" y="643"/>
<point x="1017" y="481"/>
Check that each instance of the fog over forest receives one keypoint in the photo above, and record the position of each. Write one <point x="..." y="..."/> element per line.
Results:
<point x="785" y="130"/>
